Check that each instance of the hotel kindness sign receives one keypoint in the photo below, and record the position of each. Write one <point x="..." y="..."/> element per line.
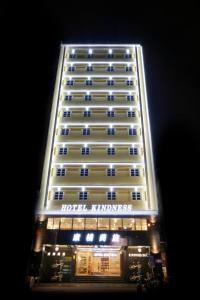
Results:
<point x="96" y="208"/>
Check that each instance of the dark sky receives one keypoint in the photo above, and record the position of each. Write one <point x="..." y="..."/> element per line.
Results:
<point x="31" y="34"/>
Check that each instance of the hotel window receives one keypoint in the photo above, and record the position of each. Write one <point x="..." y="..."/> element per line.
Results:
<point x="140" y="224"/>
<point x="110" y="131"/>
<point x="70" y="82"/>
<point x="85" y="151"/>
<point x="110" y="69"/>
<point x="71" y="68"/>
<point x="135" y="172"/>
<point x="115" y="223"/>
<point x="129" y="69"/>
<point x="60" y="172"/>
<point x="129" y="82"/>
<point x="110" y="55"/>
<point x="63" y="151"/>
<point x="103" y="223"/>
<point x="88" y="82"/>
<point x="72" y="55"/>
<point x="130" y="98"/>
<point x="68" y="97"/>
<point x="129" y="223"/>
<point x="132" y="131"/>
<point x="110" y="97"/>
<point x="78" y="223"/>
<point x="65" y="131"/>
<point x="58" y="196"/>
<point x="111" y="195"/>
<point x="110" y="172"/>
<point x="86" y="131"/>
<point x="88" y="97"/>
<point x="111" y="151"/>
<point x="110" y="82"/>
<point x="91" y="223"/>
<point x="53" y="223"/>
<point x="66" y="223"/>
<point x="128" y="55"/>
<point x="110" y="113"/>
<point x="87" y="113"/>
<point x="89" y="68"/>
<point x="131" y="114"/>
<point x="133" y="151"/>
<point x="90" y="55"/>
<point x="67" y="114"/>
<point x="84" y="172"/>
<point x="136" y="196"/>
<point x="83" y="195"/>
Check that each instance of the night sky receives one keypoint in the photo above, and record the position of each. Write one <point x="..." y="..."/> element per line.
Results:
<point x="31" y="35"/>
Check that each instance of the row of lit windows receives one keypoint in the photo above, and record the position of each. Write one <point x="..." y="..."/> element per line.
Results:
<point x="92" y="55"/>
<point x="90" y="82"/>
<point x="109" y="97"/>
<point x="109" y="131"/>
<point x="59" y="195"/>
<point x="97" y="223"/>
<point x="85" y="172"/>
<point x="90" y="69"/>
<point x="87" y="151"/>
<point x="88" y="113"/>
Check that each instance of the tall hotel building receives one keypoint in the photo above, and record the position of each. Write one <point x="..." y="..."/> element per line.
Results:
<point x="97" y="215"/>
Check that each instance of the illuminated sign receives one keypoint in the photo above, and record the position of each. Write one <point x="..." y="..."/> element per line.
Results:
<point x="99" y="238"/>
<point x="96" y="208"/>
<point x="138" y="254"/>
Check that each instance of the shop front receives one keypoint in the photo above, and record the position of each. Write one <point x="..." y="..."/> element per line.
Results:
<point x="95" y="256"/>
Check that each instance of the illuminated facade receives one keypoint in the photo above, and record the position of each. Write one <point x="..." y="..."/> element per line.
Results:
<point x="97" y="212"/>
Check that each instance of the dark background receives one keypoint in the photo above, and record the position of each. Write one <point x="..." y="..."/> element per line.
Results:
<point x="31" y="34"/>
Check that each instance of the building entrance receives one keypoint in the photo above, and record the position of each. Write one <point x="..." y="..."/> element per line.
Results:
<point x="98" y="261"/>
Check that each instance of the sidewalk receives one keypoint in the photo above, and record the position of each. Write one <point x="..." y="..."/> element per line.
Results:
<point x="84" y="288"/>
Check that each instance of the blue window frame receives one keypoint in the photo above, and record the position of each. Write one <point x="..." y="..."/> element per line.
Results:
<point x="88" y="82"/>
<point x="128" y="55"/>
<point x="70" y="82"/>
<point x="132" y="131"/>
<point x="130" y="98"/>
<point x="110" y="113"/>
<point x="110" y="97"/>
<point x="111" y="195"/>
<point x="133" y="151"/>
<point x="135" y="172"/>
<point x="84" y="172"/>
<point x="110" y="172"/>
<point x="83" y="195"/>
<point x="136" y="196"/>
<point x="110" y="82"/>
<point x="86" y="131"/>
<point x="60" y="172"/>
<point x="88" y="97"/>
<point x="68" y="98"/>
<point x="71" y="68"/>
<point x="85" y="151"/>
<point x="87" y="113"/>
<point x="110" y="69"/>
<point x="63" y="151"/>
<point x="58" y="196"/>
<point x="89" y="68"/>
<point x="65" y="131"/>
<point x="111" y="131"/>
<point x="129" y="69"/>
<point x="131" y="114"/>
<point x="111" y="151"/>
<point x="67" y="114"/>
<point x="129" y="82"/>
